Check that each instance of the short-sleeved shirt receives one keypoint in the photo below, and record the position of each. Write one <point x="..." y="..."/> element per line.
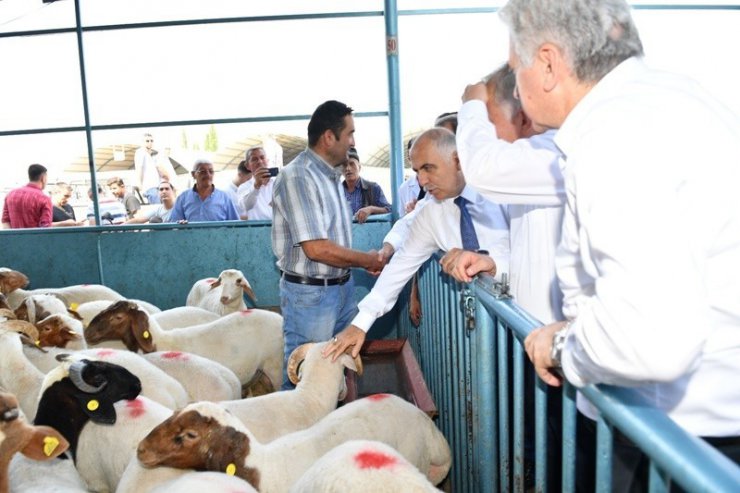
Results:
<point x="216" y="207"/>
<point x="308" y="203"/>
<point x="62" y="213"/>
<point x="159" y="212"/>
<point x="366" y="193"/>
<point x="132" y="204"/>
<point x="112" y="211"/>
<point x="27" y="207"/>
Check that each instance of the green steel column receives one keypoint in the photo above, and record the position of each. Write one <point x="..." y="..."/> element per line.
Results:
<point x="394" y="100"/>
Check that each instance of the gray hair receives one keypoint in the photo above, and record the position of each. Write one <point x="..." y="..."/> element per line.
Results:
<point x="249" y="152"/>
<point x="443" y="140"/>
<point x="61" y="188"/>
<point x="199" y="162"/>
<point x="595" y="35"/>
<point x="500" y="84"/>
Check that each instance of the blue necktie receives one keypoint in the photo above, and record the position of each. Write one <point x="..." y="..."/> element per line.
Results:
<point x="467" y="230"/>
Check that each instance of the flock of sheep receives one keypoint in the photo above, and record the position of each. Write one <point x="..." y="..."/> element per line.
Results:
<point x="125" y="397"/>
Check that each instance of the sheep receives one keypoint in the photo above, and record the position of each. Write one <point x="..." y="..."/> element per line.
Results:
<point x="16" y="435"/>
<point x="244" y="341"/>
<point x="320" y="384"/>
<point x="39" y="306"/>
<point x="201" y="378"/>
<point x="184" y="316"/>
<point x="363" y="466"/>
<point x="96" y="406"/>
<point x="228" y="299"/>
<point x="205" y="436"/>
<point x="11" y="280"/>
<point x="31" y="476"/>
<point x="62" y="331"/>
<point x="139" y="479"/>
<point x="17" y="374"/>
<point x="157" y="385"/>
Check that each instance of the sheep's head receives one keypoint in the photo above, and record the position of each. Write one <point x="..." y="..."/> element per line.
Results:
<point x="85" y="387"/>
<point x="202" y="436"/>
<point x="122" y="321"/>
<point x="10" y="280"/>
<point x="233" y="285"/>
<point x="4" y="302"/>
<point x="24" y="328"/>
<point x="57" y="331"/>
<point x="39" y="306"/>
<point x="36" y="442"/>
<point x="307" y="356"/>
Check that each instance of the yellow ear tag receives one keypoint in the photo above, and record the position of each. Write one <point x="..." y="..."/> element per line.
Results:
<point x="93" y="405"/>
<point x="74" y="306"/>
<point x="50" y="445"/>
<point x="145" y="334"/>
<point x="231" y="469"/>
<point x="38" y="343"/>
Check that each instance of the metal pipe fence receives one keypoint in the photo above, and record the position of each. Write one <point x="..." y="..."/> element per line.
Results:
<point x="494" y="412"/>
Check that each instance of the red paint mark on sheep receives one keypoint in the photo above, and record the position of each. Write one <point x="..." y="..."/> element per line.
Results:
<point x="104" y="353"/>
<point x="210" y="280"/>
<point x="372" y="459"/>
<point x="246" y="311"/>
<point x="136" y="408"/>
<point x="378" y="397"/>
<point x="174" y="355"/>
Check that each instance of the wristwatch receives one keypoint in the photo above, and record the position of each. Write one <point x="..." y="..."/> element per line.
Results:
<point x="558" y="341"/>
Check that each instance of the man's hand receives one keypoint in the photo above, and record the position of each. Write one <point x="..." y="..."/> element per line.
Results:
<point x="350" y="338"/>
<point x="475" y="91"/>
<point x="362" y="214"/>
<point x="410" y="205"/>
<point x="463" y="265"/>
<point x="538" y="345"/>
<point x="385" y="253"/>
<point x="375" y="263"/>
<point x="261" y="177"/>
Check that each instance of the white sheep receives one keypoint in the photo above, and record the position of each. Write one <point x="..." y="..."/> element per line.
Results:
<point x="205" y="436"/>
<point x="57" y="476"/>
<point x="156" y="384"/>
<point x="181" y="316"/>
<point x="18" y="375"/>
<point x="37" y="307"/>
<point x="363" y="466"/>
<point x="96" y="406"/>
<point x="201" y="378"/>
<point x="76" y="294"/>
<point x="244" y="342"/>
<point x="320" y="383"/>
<point x="228" y="299"/>
<point x="139" y="479"/>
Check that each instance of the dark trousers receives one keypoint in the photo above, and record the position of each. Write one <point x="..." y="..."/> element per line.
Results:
<point x="630" y="467"/>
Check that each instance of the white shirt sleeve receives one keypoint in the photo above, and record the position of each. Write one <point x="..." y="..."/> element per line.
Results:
<point x="400" y="231"/>
<point x="417" y="248"/>
<point x="525" y="171"/>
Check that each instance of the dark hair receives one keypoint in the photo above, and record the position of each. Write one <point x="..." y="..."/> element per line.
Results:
<point x="447" y="118"/>
<point x="243" y="167"/>
<point x="35" y="171"/>
<point x="115" y="181"/>
<point x="328" y="116"/>
<point x="352" y="154"/>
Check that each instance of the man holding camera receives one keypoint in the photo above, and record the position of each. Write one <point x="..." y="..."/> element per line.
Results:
<point x="255" y="195"/>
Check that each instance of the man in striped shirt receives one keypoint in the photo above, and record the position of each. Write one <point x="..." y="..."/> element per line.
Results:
<point x="312" y="234"/>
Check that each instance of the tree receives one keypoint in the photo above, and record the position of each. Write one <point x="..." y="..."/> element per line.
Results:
<point x="183" y="139"/>
<point x="211" y="141"/>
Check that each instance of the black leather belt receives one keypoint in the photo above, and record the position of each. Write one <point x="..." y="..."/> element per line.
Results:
<point x="315" y="281"/>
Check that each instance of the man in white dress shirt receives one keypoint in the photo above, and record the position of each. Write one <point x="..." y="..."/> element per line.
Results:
<point x="509" y="162"/>
<point x="255" y="196"/>
<point x="437" y="226"/>
<point x="651" y="235"/>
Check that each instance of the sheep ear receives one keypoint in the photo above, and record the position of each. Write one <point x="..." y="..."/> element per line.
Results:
<point x="21" y="313"/>
<point x="216" y="283"/>
<point x="248" y="290"/>
<point x="219" y="458"/>
<point x="140" y="329"/>
<point x="97" y="408"/>
<point x="46" y="443"/>
<point x="74" y="314"/>
<point x="354" y="364"/>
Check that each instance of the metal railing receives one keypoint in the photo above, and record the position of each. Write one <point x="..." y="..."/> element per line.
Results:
<point x="469" y="347"/>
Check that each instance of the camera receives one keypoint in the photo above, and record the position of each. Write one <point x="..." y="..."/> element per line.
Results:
<point x="274" y="171"/>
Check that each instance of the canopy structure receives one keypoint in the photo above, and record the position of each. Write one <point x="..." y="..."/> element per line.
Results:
<point x="381" y="157"/>
<point x="230" y="155"/>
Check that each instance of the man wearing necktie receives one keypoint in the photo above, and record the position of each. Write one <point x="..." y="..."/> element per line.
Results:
<point x="455" y="217"/>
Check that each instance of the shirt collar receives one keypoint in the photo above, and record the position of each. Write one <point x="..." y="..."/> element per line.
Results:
<point x="332" y="172"/>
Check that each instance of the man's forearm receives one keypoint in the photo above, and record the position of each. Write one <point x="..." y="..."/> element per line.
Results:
<point x="328" y="252"/>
